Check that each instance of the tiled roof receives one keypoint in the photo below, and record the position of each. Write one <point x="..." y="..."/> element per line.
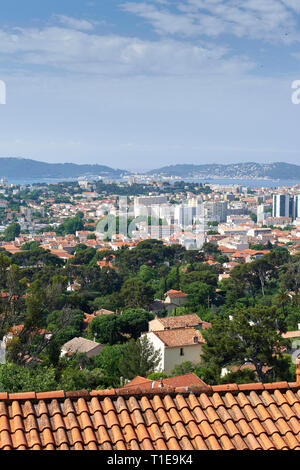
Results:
<point x="291" y="334"/>
<point x="80" y="345"/>
<point x="176" y="293"/>
<point x="225" y="417"/>
<point x="179" y="337"/>
<point x="103" y="311"/>
<point x="141" y="384"/>
<point x="183" y="321"/>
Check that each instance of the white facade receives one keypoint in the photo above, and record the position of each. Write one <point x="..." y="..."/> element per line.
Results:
<point x="215" y="211"/>
<point x="145" y="205"/>
<point x="281" y="205"/>
<point x="172" y="356"/>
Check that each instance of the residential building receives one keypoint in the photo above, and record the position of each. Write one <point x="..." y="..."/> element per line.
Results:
<point x="141" y="384"/>
<point x="83" y="346"/>
<point x="282" y="205"/>
<point x="176" y="346"/>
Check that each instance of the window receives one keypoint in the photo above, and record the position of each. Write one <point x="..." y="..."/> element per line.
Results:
<point x="181" y="352"/>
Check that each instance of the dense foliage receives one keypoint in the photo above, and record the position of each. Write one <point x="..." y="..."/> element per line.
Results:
<point x="248" y="311"/>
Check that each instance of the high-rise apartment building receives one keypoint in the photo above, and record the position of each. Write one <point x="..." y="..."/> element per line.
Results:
<point x="281" y="205"/>
<point x="285" y="205"/>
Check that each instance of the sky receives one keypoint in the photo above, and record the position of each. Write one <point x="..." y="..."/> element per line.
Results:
<point x="144" y="84"/>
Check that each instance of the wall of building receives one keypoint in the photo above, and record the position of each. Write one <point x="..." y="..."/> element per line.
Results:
<point x="172" y="356"/>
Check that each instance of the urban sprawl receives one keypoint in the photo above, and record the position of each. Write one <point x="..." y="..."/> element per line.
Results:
<point x="106" y="281"/>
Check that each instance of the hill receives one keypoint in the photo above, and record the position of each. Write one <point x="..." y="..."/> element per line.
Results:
<point x="252" y="170"/>
<point x="26" y="168"/>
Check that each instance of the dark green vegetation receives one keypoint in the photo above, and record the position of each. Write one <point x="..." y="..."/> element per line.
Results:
<point x="26" y="168"/>
<point x="249" y="311"/>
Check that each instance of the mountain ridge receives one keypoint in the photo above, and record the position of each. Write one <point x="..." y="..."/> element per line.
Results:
<point x="13" y="167"/>
<point x="276" y="170"/>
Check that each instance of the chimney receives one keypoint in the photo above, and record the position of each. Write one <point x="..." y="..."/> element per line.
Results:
<point x="298" y="373"/>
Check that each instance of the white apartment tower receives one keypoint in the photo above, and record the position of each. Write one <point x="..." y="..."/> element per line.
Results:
<point x="281" y="205"/>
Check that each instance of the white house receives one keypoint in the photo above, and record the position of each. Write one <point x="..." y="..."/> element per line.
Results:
<point x="81" y="345"/>
<point x="176" y="297"/>
<point x="176" y="346"/>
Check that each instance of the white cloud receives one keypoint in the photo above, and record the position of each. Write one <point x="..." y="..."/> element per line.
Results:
<point x="270" y="20"/>
<point x="77" y="51"/>
<point x="73" y="23"/>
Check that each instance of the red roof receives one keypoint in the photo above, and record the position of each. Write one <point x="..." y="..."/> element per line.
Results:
<point x="179" y="337"/>
<point x="176" y="293"/>
<point x="224" y="417"/>
<point x="141" y="384"/>
<point x="183" y="321"/>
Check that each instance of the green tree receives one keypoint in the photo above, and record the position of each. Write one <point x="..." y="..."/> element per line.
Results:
<point x="199" y="294"/>
<point x="244" y="376"/>
<point x="146" y="273"/>
<point x="4" y="264"/>
<point x="251" y="334"/>
<point x="109" y="358"/>
<point x="105" y="329"/>
<point x="134" y="322"/>
<point x="17" y="378"/>
<point x="139" y="358"/>
<point x="136" y="294"/>
<point x="12" y="231"/>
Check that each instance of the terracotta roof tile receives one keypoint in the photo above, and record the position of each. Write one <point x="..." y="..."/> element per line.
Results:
<point x="22" y="396"/>
<point x="199" y="443"/>
<point x="219" y="429"/>
<point x="225" y="388"/>
<point x="129" y="433"/>
<point x="180" y="337"/>
<point x="252" y="386"/>
<point x="265" y="442"/>
<point x="217" y="400"/>
<point x="250" y="413"/>
<point x="173" y="444"/>
<point x="256" y="427"/>
<point x="186" y="415"/>
<point x="252" y="416"/>
<point x="226" y="443"/>
<point x="174" y="416"/>
<point x="124" y="418"/>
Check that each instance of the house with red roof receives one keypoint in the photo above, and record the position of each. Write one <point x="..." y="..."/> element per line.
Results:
<point x="176" y="346"/>
<point x="176" y="297"/>
<point x="143" y="385"/>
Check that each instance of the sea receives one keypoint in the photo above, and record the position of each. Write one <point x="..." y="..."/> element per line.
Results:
<point x="249" y="183"/>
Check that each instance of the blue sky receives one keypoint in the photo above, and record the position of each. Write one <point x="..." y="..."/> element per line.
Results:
<point x="142" y="84"/>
